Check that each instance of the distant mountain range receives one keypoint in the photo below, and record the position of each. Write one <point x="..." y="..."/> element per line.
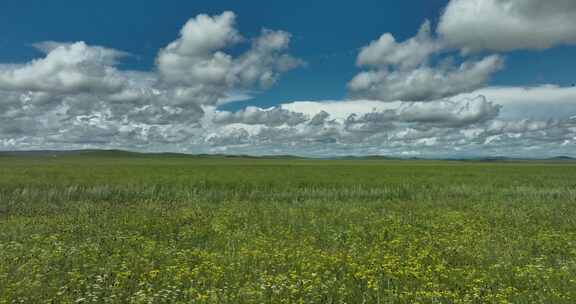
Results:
<point x="123" y="153"/>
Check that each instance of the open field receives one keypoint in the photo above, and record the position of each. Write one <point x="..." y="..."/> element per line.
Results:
<point x="125" y="229"/>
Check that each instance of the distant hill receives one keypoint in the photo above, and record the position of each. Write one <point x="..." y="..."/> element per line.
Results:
<point x="509" y="159"/>
<point x="56" y="153"/>
<point x="369" y="157"/>
<point x="124" y="153"/>
<point x="562" y="158"/>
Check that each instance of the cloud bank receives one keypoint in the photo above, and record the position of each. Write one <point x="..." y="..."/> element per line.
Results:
<point x="402" y="71"/>
<point x="505" y="25"/>
<point x="76" y="96"/>
<point x="459" y="126"/>
<point x="425" y="96"/>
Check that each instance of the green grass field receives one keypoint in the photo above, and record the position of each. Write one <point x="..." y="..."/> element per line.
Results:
<point x="126" y="229"/>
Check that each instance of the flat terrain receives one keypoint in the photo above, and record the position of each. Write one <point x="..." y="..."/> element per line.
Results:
<point x="112" y="228"/>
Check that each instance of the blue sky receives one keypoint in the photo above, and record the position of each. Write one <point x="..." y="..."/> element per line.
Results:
<point x="327" y="38"/>
<point x="327" y="34"/>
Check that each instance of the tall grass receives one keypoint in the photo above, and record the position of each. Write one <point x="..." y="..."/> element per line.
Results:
<point x="171" y="230"/>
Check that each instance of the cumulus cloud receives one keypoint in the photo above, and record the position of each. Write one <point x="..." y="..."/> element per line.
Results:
<point x="407" y="70"/>
<point x="67" y="68"/>
<point x="195" y="56"/>
<point x="263" y="63"/>
<point x="412" y="98"/>
<point x="406" y="102"/>
<point x="449" y="113"/>
<point x="424" y="116"/>
<point x="536" y="102"/>
<point x="505" y="25"/>
<point x="76" y="96"/>
<point x="424" y="83"/>
<point x="198" y="67"/>
<point x="403" y="70"/>
<point x="408" y="54"/>
<point x="252" y="115"/>
<point x="459" y="126"/>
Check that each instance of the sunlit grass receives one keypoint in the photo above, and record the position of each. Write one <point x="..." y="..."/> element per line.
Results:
<point x="184" y="230"/>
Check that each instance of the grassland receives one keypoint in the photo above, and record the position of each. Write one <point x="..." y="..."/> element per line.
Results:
<point x="169" y="229"/>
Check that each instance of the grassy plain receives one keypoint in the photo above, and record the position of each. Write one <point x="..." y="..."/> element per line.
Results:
<point x="169" y="229"/>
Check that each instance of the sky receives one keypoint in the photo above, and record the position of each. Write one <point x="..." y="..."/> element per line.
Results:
<point x="437" y="78"/>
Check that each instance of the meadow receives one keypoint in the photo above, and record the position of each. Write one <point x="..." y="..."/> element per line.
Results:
<point x="170" y="229"/>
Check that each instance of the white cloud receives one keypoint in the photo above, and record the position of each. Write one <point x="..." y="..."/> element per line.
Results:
<point x="261" y="65"/>
<point x="424" y="83"/>
<point x="75" y="96"/>
<point x="339" y="109"/>
<point x="199" y="69"/>
<point x="196" y="57"/>
<point x="252" y="115"/>
<point x="203" y="35"/>
<point x="404" y="71"/>
<point x="440" y="113"/>
<point x="537" y="102"/>
<point x="67" y="68"/>
<point x="408" y="54"/>
<point x="505" y="25"/>
<point x="346" y="124"/>
<point x="447" y="113"/>
<point x="460" y="126"/>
